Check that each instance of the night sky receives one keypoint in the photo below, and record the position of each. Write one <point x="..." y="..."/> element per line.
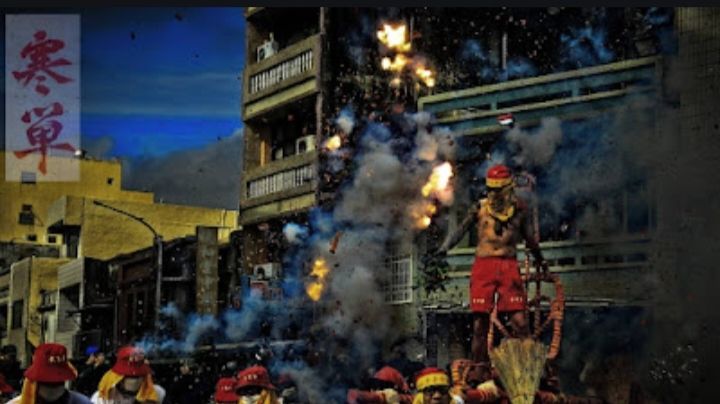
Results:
<point x="160" y="84"/>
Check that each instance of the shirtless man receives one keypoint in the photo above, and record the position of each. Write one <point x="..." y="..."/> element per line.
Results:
<point x="502" y="222"/>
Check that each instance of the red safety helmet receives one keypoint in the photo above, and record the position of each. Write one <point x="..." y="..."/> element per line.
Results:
<point x="50" y="365"/>
<point x="498" y="176"/>
<point x="225" y="390"/>
<point x="131" y="362"/>
<point x="254" y="376"/>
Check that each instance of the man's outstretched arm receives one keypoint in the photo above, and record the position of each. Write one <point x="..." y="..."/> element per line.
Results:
<point x="453" y="238"/>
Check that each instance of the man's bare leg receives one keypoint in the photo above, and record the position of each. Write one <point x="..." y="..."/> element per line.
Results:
<point x="481" y="324"/>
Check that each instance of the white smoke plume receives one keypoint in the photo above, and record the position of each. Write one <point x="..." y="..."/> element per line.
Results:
<point x="537" y="148"/>
<point x="294" y="233"/>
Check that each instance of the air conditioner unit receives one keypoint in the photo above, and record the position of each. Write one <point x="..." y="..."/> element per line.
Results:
<point x="267" y="271"/>
<point x="305" y="144"/>
<point x="267" y="49"/>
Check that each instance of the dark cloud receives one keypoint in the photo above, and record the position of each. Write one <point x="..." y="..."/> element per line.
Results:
<point x="209" y="176"/>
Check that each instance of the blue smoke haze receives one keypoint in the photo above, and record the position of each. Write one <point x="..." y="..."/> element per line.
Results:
<point x="583" y="47"/>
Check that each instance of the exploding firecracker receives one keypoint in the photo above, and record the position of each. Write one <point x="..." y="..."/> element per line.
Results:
<point x="439" y="180"/>
<point x="426" y="75"/>
<point x="437" y="187"/>
<point x="394" y="65"/>
<point x="394" y="37"/>
<point x="333" y="143"/>
<point x="421" y="214"/>
<point x="320" y="270"/>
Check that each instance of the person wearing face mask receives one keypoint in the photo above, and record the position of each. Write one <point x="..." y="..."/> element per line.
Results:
<point x="129" y="381"/>
<point x="45" y="379"/>
<point x="254" y="387"/>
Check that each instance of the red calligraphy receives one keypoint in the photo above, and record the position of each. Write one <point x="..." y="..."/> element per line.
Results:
<point x="41" y="64"/>
<point x="43" y="132"/>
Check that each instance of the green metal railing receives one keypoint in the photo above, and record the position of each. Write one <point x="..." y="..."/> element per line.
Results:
<point x="567" y="95"/>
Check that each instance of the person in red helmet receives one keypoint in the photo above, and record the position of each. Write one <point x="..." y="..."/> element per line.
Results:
<point x="6" y="390"/>
<point x="45" y="379"/>
<point x="387" y="386"/>
<point x="225" y="391"/>
<point x="129" y="381"/>
<point x="502" y="221"/>
<point x="254" y="387"/>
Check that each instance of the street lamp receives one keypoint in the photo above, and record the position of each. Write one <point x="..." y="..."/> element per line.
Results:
<point x="158" y="243"/>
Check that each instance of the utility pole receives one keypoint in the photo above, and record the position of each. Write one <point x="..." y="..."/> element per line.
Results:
<point x="158" y="244"/>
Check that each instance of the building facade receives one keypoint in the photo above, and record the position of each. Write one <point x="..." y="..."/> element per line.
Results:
<point x="55" y="238"/>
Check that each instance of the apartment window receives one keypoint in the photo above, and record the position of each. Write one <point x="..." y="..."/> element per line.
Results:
<point x="52" y="239"/>
<point x="398" y="285"/>
<point x="26" y="215"/>
<point x="32" y="237"/>
<point x="110" y="180"/>
<point x="17" y="314"/>
<point x="27" y="177"/>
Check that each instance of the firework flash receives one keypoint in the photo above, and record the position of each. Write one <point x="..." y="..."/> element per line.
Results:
<point x="315" y="288"/>
<point x="333" y="143"/>
<point x="394" y="37"/>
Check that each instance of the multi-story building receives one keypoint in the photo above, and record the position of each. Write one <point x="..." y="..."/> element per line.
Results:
<point x="71" y="225"/>
<point x="301" y="70"/>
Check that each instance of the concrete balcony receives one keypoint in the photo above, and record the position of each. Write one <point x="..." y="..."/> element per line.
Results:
<point x="567" y="95"/>
<point x="278" y="188"/>
<point x="287" y="76"/>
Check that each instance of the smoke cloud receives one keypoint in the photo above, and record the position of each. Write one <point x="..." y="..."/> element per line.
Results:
<point x="205" y="177"/>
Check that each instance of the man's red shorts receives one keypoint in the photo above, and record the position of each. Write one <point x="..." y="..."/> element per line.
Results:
<point x="501" y="274"/>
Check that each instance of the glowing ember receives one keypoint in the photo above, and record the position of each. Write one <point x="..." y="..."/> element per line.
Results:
<point x="426" y="75"/>
<point x="394" y="37"/>
<point x="333" y="143"/>
<point x="422" y="213"/>
<point x="439" y="180"/>
<point x="315" y="288"/>
<point x="396" y="64"/>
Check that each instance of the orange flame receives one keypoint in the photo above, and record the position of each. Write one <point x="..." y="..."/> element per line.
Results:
<point x="439" y="180"/>
<point x="394" y="65"/>
<point x="422" y="213"/>
<point x="394" y="37"/>
<point x="315" y="288"/>
<point x="426" y="75"/>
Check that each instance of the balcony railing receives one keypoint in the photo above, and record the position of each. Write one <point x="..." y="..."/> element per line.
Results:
<point x="284" y="71"/>
<point x="281" y="181"/>
<point x="568" y="94"/>
<point x="571" y="256"/>
<point x="291" y="66"/>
